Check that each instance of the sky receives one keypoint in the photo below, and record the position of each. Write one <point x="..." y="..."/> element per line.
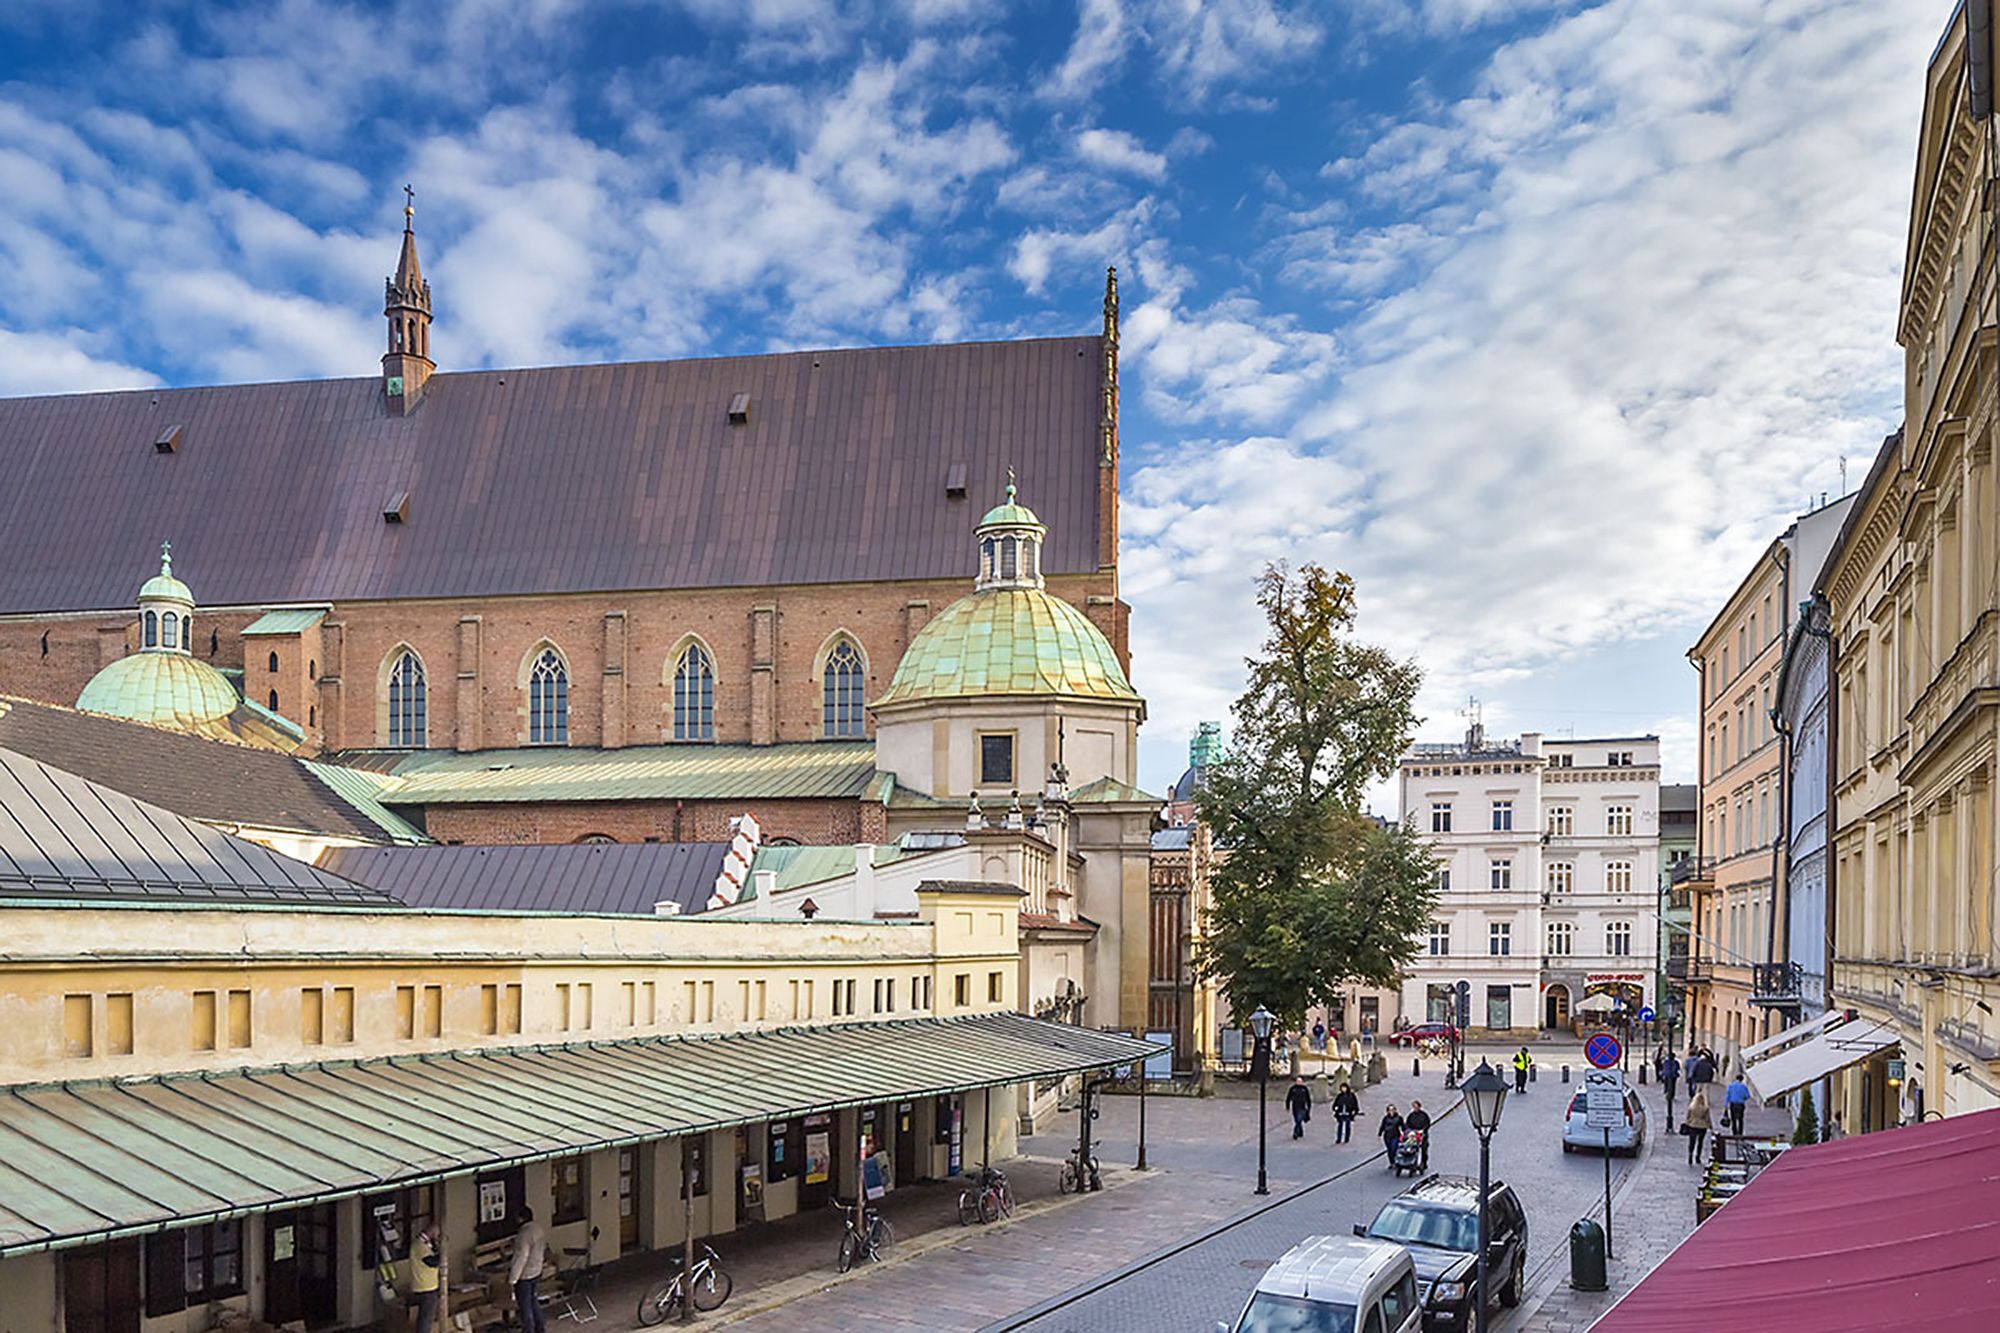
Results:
<point x="1539" y="317"/>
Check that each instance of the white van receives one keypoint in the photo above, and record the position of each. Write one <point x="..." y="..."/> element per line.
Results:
<point x="1335" y="1284"/>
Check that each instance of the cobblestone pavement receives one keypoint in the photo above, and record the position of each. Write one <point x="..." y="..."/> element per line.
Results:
<point x="1652" y="1213"/>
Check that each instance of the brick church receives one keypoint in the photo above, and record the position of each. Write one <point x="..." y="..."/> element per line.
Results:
<point x="583" y="602"/>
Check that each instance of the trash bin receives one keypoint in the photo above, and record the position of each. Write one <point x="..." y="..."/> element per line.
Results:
<point x="1586" y="1256"/>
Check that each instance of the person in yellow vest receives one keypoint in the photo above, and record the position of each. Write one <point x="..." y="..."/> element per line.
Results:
<point x="424" y="1276"/>
<point x="1521" y="1063"/>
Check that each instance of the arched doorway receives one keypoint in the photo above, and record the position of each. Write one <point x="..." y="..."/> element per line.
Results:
<point x="1555" y="1006"/>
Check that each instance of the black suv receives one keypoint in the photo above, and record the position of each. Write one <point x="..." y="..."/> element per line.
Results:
<point x="1437" y="1219"/>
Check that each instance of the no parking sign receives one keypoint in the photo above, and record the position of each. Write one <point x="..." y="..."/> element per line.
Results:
<point x="1602" y="1050"/>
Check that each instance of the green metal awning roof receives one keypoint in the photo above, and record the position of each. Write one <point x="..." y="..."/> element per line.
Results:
<point x="291" y="620"/>
<point x="85" y="1161"/>
<point x="796" y="770"/>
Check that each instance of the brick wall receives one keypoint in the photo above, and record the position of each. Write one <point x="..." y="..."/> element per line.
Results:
<point x="812" y="822"/>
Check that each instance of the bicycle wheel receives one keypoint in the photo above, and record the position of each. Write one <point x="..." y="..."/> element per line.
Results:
<point x="661" y="1301"/>
<point x="881" y="1238"/>
<point x="1066" y="1182"/>
<point x="989" y="1205"/>
<point x="848" y="1243"/>
<point x="1006" y="1201"/>
<point x="712" y="1288"/>
<point x="969" y="1211"/>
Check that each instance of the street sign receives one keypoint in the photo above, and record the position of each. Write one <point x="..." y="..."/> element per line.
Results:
<point x="1646" y="1014"/>
<point x="1603" y="1098"/>
<point x="1602" y="1050"/>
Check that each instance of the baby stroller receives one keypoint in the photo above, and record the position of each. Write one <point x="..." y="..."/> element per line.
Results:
<point x="1409" y="1154"/>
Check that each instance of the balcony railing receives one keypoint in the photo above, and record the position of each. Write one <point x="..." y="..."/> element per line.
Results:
<point x="1677" y="967"/>
<point x="1776" y="985"/>
<point x="1690" y="867"/>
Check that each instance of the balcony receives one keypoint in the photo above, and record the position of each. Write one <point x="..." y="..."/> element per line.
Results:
<point x="1689" y="869"/>
<point x="1698" y="971"/>
<point x="1677" y="967"/>
<point x="1777" y="986"/>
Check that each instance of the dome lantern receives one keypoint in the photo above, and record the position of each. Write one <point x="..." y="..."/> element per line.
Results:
<point x="166" y="609"/>
<point x="1010" y="545"/>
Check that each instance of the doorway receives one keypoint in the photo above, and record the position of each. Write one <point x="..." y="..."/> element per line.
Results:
<point x="101" y="1288"/>
<point x="906" y="1142"/>
<point x="1555" y="1007"/>
<point x="301" y="1275"/>
<point x="628" y="1200"/>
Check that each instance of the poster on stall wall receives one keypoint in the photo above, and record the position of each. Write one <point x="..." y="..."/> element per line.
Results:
<point x="753" y="1191"/>
<point x="955" y="1157"/>
<point x="492" y="1201"/>
<point x="819" y="1158"/>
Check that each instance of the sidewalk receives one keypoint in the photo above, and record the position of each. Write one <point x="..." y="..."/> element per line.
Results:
<point x="1651" y="1214"/>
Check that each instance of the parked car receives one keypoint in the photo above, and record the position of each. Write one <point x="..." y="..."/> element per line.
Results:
<point x="1334" y="1284"/>
<point x="1625" y="1138"/>
<point x="1437" y="1219"/>
<point x="1410" y="1036"/>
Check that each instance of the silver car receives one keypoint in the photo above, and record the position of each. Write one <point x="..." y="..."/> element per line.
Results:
<point x="1625" y="1137"/>
<point x="1335" y="1284"/>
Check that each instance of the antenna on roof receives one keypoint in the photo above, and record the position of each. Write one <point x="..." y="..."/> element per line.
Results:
<point x="1843" y="474"/>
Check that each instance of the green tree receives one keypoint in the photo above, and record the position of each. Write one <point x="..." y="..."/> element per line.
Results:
<point x="1807" y="1129"/>
<point x="1309" y="892"/>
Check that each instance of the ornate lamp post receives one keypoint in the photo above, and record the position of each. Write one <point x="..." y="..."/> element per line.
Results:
<point x="1485" y="1092"/>
<point x="1260" y="1028"/>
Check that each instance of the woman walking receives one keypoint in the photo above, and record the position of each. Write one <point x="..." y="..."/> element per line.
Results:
<point x="1695" y="1125"/>
<point x="1391" y="1132"/>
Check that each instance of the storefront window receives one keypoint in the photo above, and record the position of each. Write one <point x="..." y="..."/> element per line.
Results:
<point x="571" y="1190"/>
<point x="784" y="1150"/>
<point x="193" y="1266"/>
<point x="390" y="1221"/>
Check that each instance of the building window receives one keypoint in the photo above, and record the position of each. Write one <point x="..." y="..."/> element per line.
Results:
<point x="694" y="696"/>
<point x="152" y="629"/>
<point x="1440" y="816"/>
<point x="572" y="1190"/>
<point x="1444" y="879"/>
<point x="274" y="662"/>
<point x="841" y="689"/>
<point x="1619" y="759"/>
<point x="1618" y="939"/>
<point x="1503" y="816"/>
<point x="548" y="700"/>
<point x="193" y="1266"/>
<point x="1562" y="820"/>
<point x="407" y="703"/>
<point x="961" y="989"/>
<point x="1499" y="1008"/>
<point x="1562" y="939"/>
<point x="1500" y="875"/>
<point x="1618" y="877"/>
<point x="996" y="758"/>
<point x="1618" y="821"/>
<point x="1562" y="761"/>
<point x="187" y="632"/>
<point x="995" y="986"/>
<point x="1440" y="939"/>
<point x="1499" y="939"/>
<point x="1562" y="876"/>
<point x="390" y="1221"/>
<point x="274" y="701"/>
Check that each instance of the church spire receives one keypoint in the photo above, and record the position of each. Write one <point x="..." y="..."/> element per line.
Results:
<point x="406" y="304"/>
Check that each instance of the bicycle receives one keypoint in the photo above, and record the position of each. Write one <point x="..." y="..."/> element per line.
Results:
<point x="1074" y="1180"/>
<point x="710" y="1285"/>
<point x="989" y="1199"/>
<point x="871" y="1242"/>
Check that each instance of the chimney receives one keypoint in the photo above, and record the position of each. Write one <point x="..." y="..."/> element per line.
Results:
<point x="864" y="881"/>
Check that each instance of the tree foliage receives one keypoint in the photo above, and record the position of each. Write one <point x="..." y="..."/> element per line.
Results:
<point x="1309" y="892"/>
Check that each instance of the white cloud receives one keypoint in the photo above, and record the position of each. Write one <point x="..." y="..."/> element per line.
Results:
<point x="55" y="363"/>
<point x="1115" y="150"/>
<point x="1193" y="46"/>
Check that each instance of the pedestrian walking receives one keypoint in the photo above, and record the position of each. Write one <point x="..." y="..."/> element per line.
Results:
<point x="1700" y="1069"/>
<point x="1695" y="1125"/>
<point x="1418" y="1121"/>
<point x="1345" y="1107"/>
<point x="1734" y="1099"/>
<point x="424" y="1276"/>
<point x="1319" y="1038"/>
<point x="1391" y="1133"/>
<point x="1299" y="1100"/>
<point x="531" y="1252"/>
<point x="1521" y="1063"/>
<point x="1670" y="1074"/>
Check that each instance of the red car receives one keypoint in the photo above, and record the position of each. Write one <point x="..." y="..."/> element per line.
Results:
<point x="1444" y="1032"/>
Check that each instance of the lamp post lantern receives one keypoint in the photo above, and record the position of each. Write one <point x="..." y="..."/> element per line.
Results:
<point x="1260" y="1028"/>
<point x="1485" y="1093"/>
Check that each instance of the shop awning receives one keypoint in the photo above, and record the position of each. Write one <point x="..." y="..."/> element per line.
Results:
<point x="1791" y="1036"/>
<point x="89" y="1160"/>
<point x="1896" y="1230"/>
<point x="1809" y="1061"/>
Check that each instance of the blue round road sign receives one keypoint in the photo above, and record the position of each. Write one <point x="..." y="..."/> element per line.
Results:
<point x="1603" y="1050"/>
<point x="1646" y="1014"/>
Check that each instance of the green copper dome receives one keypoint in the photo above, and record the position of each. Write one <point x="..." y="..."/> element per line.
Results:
<point x="165" y="689"/>
<point x="1009" y="514"/>
<point x="1008" y="641"/>
<point x="164" y="586"/>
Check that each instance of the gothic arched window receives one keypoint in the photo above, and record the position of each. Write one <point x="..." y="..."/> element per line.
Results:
<point x="841" y="703"/>
<point x="408" y="703"/>
<point x="152" y="629"/>
<point x="274" y="663"/>
<point x="1009" y="561"/>
<point x="548" y="700"/>
<point x="694" y="696"/>
<point x="170" y="630"/>
<point x="274" y="701"/>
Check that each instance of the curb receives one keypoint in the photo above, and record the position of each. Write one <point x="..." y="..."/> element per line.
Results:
<point x="1021" y="1318"/>
<point x="1547" y="1276"/>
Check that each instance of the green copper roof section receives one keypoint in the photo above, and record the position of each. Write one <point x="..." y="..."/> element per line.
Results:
<point x="1009" y="514"/>
<point x="164" y="584"/>
<point x="800" y="770"/>
<point x="291" y="620"/>
<point x="1110" y="791"/>
<point x="797" y="867"/>
<point x="1008" y="641"/>
<point x="167" y="689"/>
<point x="364" y="791"/>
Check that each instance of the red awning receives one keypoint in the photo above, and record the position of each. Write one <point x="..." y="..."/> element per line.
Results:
<point x="1895" y="1230"/>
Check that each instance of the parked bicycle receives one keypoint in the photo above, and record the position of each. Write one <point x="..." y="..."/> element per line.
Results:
<point x="709" y="1284"/>
<point x="987" y="1199"/>
<point x="871" y="1241"/>
<point x="1074" y="1179"/>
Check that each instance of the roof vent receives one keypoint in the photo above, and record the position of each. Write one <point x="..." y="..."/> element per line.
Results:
<point x="954" y="482"/>
<point x="666" y="907"/>
<point x="398" y="508"/>
<point x="169" y="440"/>
<point x="739" y="410"/>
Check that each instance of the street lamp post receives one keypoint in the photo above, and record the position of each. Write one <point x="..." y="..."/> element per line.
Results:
<point x="1485" y="1092"/>
<point x="1260" y="1027"/>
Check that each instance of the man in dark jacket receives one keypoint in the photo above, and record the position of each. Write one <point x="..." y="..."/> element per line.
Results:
<point x="1419" y="1121"/>
<point x="1670" y="1074"/>
<point x="1345" y="1107"/>
<point x="1299" y="1100"/>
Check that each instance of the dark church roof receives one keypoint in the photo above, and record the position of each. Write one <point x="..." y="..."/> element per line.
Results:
<point x="628" y="879"/>
<point x="561" y="479"/>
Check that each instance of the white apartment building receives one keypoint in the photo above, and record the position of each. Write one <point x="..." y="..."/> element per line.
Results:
<point x="1548" y="875"/>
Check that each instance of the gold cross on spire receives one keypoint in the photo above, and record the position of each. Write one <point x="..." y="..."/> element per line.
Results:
<point x="166" y="557"/>
<point x="409" y="207"/>
<point x="1010" y="485"/>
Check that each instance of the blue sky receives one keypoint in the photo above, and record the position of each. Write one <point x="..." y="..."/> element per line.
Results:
<point x="1539" y="316"/>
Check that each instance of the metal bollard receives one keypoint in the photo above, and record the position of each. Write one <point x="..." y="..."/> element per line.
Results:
<point x="1565" y="1073"/>
<point x="1642" y="1071"/>
<point x="1416" y="1067"/>
<point x="1586" y="1256"/>
<point x="1531" y="1073"/>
